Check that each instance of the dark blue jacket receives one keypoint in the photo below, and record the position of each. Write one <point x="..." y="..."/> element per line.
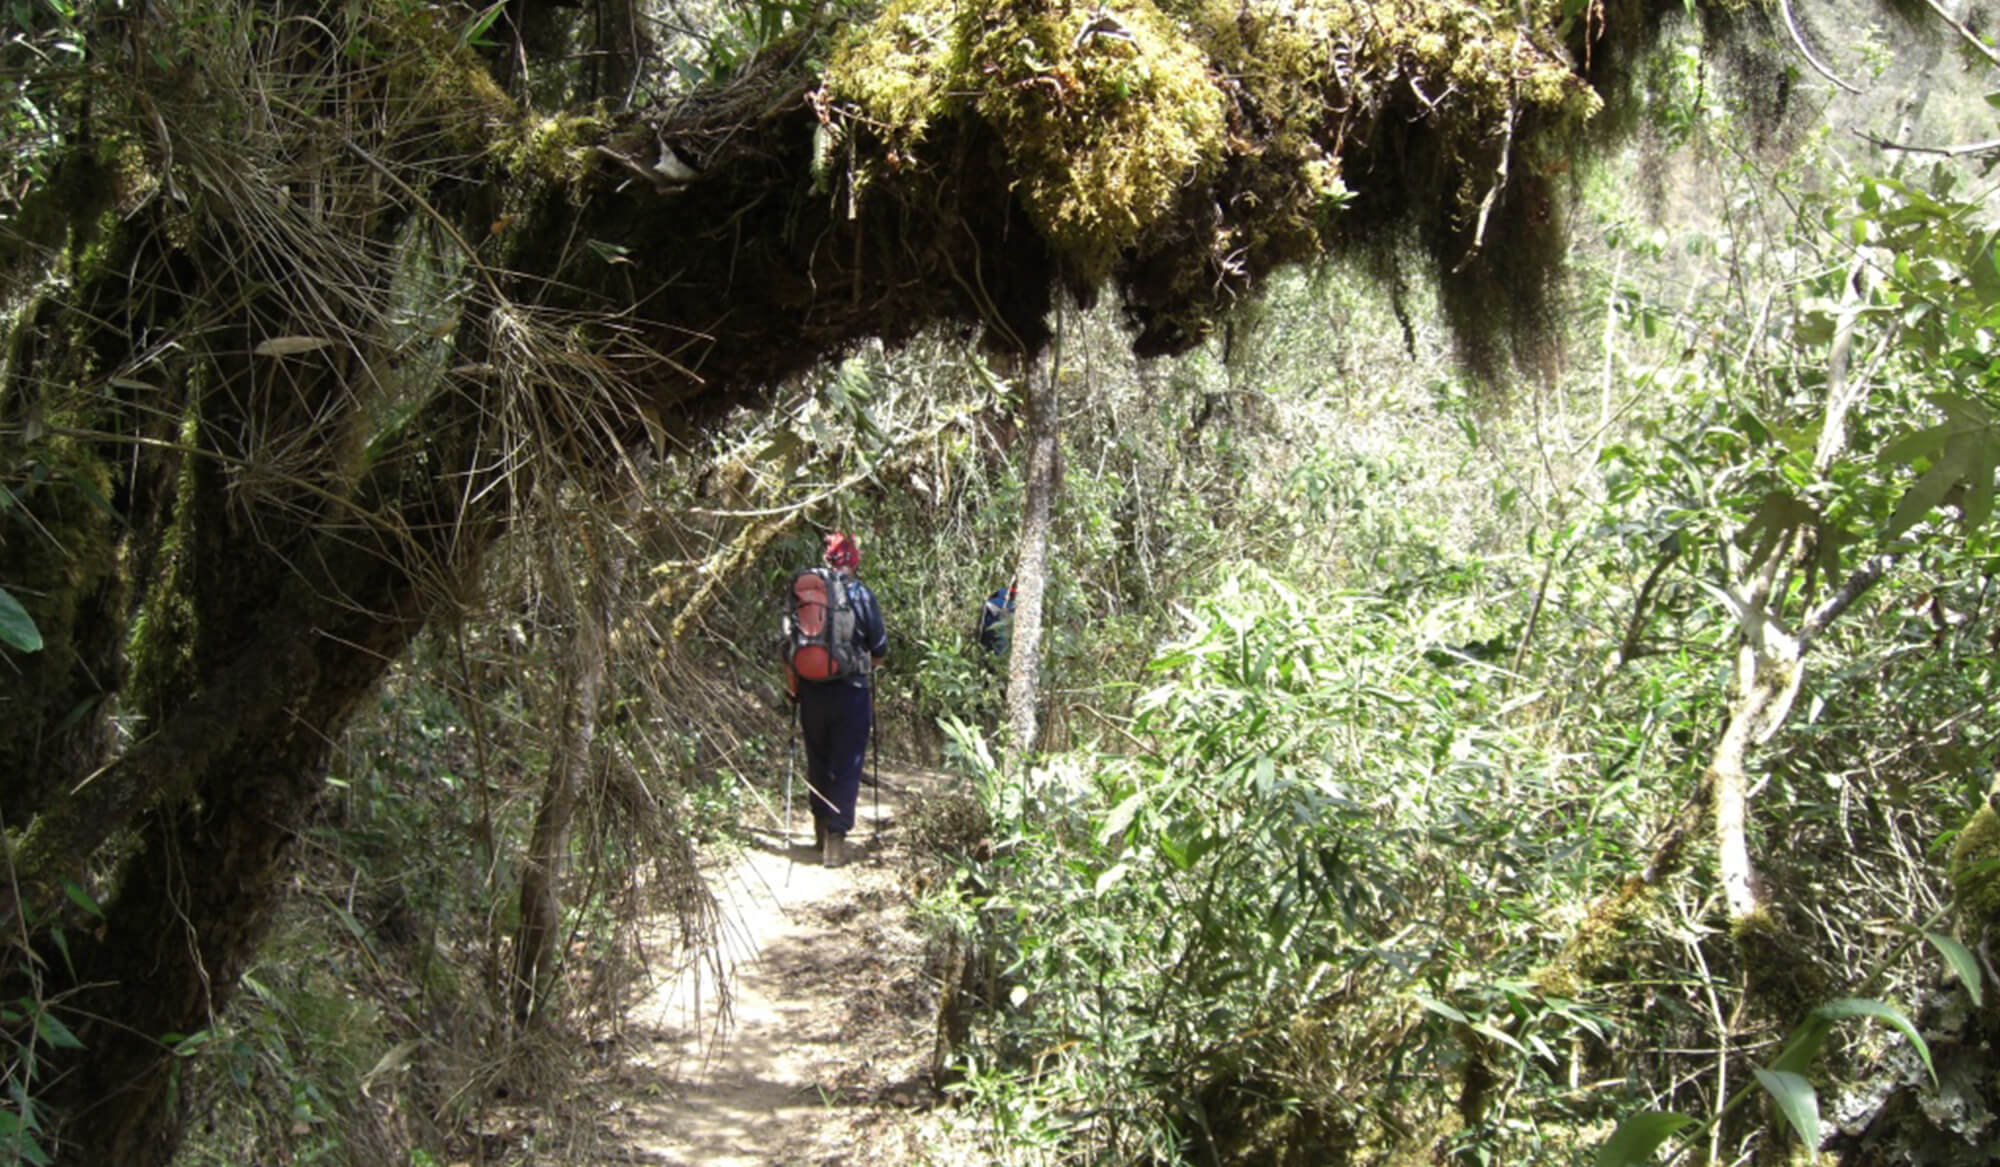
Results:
<point x="996" y="620"/>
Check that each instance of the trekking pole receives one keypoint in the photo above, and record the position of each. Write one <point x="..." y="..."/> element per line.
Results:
<point x="875" y="743"/>
<point x="791" y="764"/>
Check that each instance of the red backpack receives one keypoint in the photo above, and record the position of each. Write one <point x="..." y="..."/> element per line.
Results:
<point x="819" y="627"/>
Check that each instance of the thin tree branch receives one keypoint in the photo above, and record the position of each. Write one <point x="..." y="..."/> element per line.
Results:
<point x="1959" y="27"/>
<point x="1991" y="145"/>
<point x="1864" y="577"/>
<point x="1819" y="66"/>
<point x="1628" y="648"/>
<point x="1492" y="192"/>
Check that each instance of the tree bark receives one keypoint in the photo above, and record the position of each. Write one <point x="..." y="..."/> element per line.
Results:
<point x="536" y="947"/>
<point x="1031" y="564"/>
<point x="1760" y="687"/>
<point x="195" y="899"/>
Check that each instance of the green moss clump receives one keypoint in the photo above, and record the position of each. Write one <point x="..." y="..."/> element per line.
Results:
<point x="1105" y="116"/>
<point x="442" y="78"/>
<point x="1974" y="869"/>
<point x="895" y="73"/>
<point x="560" y="150"/>
<point x="1185" y="147"/>
<point x="1614" y="925"/>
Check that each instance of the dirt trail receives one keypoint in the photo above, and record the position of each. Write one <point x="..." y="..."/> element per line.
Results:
<point x="822" y="1057"/>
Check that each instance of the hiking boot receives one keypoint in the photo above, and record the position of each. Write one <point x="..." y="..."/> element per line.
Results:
<point x="835" y="849"/>
<point x="819" y="835"/>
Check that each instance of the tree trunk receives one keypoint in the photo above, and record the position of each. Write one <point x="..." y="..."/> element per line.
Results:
<point x="1770" y="660"/>
<point x="536" y="947"/>
<point x="1031" y="565"/>
<point x="196" y="897"/>
<point x="1762" y="682"/>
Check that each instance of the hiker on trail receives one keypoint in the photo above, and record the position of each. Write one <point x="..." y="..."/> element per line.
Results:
<point x="835" y="640"/>
<point x="996" y="621"/>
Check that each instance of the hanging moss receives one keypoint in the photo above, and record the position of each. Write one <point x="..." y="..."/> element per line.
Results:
<point x="1105" y="115"/>
<point x="1287" y="119"/>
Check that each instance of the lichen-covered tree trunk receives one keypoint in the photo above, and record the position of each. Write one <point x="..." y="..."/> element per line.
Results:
<point x="1899" y="1110"/>
<point x="1042" y="481"/>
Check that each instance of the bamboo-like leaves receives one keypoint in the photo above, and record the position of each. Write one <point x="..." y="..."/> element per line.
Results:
<point x="1796" y="1099"/>
<point x="17" y="628"/>
<point x="1962" y="963"/>
<point x="1640" y="1135"/>
<point x="1635" y="1140"/>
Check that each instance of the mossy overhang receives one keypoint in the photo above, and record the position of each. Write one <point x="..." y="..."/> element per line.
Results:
<point x="959" y="162"/>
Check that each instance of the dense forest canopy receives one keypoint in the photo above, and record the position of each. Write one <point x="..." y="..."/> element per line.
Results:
<point x="311" y="306"/>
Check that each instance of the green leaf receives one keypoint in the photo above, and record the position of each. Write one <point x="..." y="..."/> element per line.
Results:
<point x="53" y="1031"/>
<point x="1984" y="270"/>
<point x="1969" y="413"/>
<point x="1796" y="1098"/>
<point x="17" y="628"/>
<point x="1928" y="491"/>
<point x="1961" y="961"/>
<point x="476" y="31"/>
<point x="1866" y="1007"/>
<point x="1499" y="1035"/>
<point x="1443" y="1010"/>
<point x="1638" y="1136"/>
<point x="1804" y="1044"/>
<point x="1120" y="817"/>
<point x="1775" y="517"/>
<point x="81" y="898"/>
<point x="19" y="1143"/>
<point x="187" y="1045"/>
<point x="1978" y="504"/>
<point x="1925" y="442"/>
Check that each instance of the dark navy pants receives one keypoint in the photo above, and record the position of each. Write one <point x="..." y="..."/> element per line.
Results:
<point x="834" y="719"/>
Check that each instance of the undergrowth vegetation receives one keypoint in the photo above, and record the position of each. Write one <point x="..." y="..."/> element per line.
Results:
<point x="1403" y="848"/>
<point x="1394" y="717"/>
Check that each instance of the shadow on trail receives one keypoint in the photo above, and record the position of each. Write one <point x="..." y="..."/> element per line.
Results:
<point x="863" y="846"/>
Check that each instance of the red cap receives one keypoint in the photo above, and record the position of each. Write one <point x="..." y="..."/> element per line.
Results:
<point x="842" y="551"/>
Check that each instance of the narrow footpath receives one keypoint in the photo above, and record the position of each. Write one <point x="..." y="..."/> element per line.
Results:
<point x="821" y="1056"/>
